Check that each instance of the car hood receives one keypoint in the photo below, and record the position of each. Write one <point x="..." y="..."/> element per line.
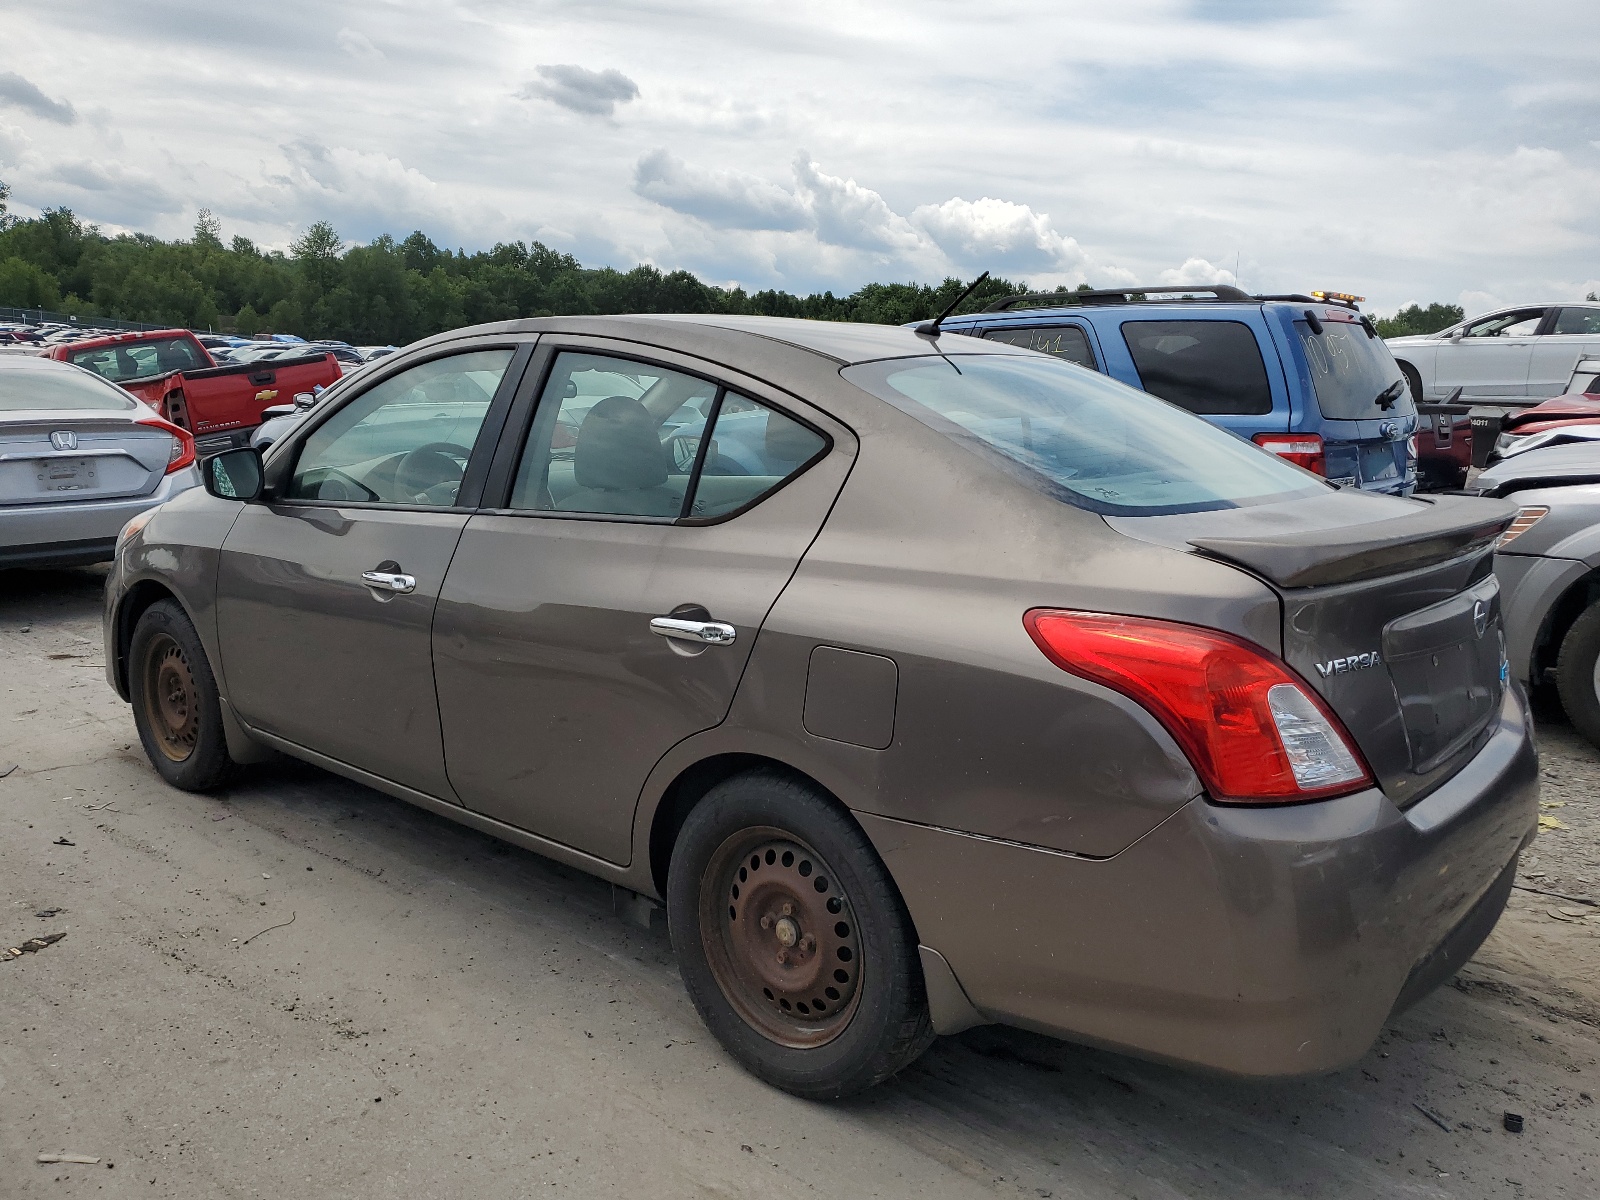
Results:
<point x="1573" y="462"/>
<point x="1414" y="339"/>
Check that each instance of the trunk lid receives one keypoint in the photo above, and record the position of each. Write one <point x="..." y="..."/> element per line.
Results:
<point x="1391" y="612"/>
<point x="75" y="456"/>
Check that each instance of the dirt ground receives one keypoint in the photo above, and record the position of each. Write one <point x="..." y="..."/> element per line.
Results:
<point x="302" y="987"/>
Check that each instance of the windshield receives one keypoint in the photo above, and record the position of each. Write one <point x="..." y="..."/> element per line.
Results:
<point x="136" y="360"/>
<point x="1091" y="441"/>
<point x="23" y="388"/>
<point x="1351" y="371"/>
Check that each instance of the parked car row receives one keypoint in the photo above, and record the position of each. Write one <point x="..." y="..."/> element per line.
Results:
<point x="815" y="632"/>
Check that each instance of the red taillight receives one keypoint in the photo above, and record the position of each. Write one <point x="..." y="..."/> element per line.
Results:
<point x="182" y="442"/>
<point x="1255" y="732"/>
<point x="1302" y="449"/>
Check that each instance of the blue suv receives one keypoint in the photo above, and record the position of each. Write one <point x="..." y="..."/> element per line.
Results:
<point x="1306" y="377"/>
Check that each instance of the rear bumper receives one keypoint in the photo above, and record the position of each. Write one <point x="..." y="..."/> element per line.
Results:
<point x="1254" y="941"/>
<point x="68" y="533"/>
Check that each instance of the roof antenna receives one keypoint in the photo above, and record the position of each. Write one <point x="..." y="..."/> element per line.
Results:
<point x="931" y="328"/>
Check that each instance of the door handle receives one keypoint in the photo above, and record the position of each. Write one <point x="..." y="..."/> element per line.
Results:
<point x="390" y="581"/>
<point x="705" y="633"/>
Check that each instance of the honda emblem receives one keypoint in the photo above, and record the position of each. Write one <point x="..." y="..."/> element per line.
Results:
<point x="64" y="439"/>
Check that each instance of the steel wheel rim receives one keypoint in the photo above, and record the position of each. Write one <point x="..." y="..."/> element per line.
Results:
<point x="171" y="699"/>
<point x="781" y="938"/>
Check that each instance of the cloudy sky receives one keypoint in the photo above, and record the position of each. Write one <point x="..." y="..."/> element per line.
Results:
<point x="1405" y="151"/>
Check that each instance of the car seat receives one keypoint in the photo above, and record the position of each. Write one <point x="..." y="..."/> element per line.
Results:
<point x="620" y="465"/>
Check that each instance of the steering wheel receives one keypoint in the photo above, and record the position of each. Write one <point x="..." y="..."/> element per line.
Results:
<point x="430" y="465"/>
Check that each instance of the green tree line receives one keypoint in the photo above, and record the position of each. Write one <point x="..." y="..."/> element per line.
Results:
<point x="387" y="291"/>
<point x="391" y="291"/>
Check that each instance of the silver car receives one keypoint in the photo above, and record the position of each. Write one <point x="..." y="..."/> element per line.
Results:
<point x="1548" y="564"/>
<point x="1513" y="356"/>
<point x="79" y="457"/>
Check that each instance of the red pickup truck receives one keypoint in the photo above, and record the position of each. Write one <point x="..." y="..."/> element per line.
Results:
<point x="175" y="375"/>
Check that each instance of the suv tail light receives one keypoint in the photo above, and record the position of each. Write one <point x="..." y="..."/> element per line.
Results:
<point x="1302" y="449"/>
<point x="1255" y="732"/>
<point x="182" y="442"/>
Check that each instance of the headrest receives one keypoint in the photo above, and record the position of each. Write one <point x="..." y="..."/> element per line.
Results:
<point x="619" y="448"/>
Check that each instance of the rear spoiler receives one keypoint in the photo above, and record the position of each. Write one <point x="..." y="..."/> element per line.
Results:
<point x="1450" y="526"/>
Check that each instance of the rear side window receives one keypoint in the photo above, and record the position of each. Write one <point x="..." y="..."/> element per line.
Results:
<point x="1208" y="367"/>
<point x="616" y="437"/>
<point x="1067" y="342"/>
<point x="1578" y="320"/>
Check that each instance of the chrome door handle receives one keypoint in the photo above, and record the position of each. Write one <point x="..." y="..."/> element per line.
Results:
<point x="390" y="581"/>
<point x="706" y="633"/>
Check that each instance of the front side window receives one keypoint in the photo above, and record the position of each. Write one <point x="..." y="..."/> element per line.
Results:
<point x="620" y="438"/>
<point x="1085" y="439"/>
<point x="1208" y="367"/>
<point x="1578" y="320"/>
<point x="406" y="440"/>
<point x="1521" y="323"/>
<point x="1067" y="342"/>
<point x="138" y="360"/>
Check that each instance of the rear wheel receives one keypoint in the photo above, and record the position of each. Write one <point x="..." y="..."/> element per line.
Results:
<point x="176" y="707"/>
<point x="1578" y="674"/>
<point x="792" y="940"/>
<point x="1413" y="381"/>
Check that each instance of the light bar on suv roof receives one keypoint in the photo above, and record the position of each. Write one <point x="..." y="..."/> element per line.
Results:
<point x="1344" y="298"/>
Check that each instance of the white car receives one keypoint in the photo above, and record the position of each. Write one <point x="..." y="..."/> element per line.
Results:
<point x="1510" y="357"/>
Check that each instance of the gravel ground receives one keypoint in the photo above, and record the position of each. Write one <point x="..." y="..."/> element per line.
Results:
<point x="302" y="986"/>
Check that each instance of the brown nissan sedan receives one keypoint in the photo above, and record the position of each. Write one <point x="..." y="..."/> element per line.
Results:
<point x="929" y="681"/>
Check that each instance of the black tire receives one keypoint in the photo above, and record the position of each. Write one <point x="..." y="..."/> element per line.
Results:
<point x="175" y="701"/>
<point x="1413" y="381"/>
<point x="879" y="1020"/>
<point x="1578" y="674"/>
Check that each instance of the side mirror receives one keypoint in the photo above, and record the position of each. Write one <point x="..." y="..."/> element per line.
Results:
<point x="1456" y="336"/>
<point x="234" y="474"/>
<point x="304" y="400"/>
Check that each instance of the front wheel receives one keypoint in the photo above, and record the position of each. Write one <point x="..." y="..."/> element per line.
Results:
<point x="176" y="707"/>
<point x="792" y="940"/>
<point x="1578" y="674"/>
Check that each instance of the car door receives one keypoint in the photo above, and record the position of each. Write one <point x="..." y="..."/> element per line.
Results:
<point x="325" y="594"/>
<point x="1491" y="359"/>
<point x="605" y="609"/>
<point x="1570" y="334"/>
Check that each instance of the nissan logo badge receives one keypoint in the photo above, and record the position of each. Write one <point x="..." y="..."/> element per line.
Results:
<point x="1480" y="617"/>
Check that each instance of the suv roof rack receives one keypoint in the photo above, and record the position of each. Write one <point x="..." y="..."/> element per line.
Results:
<point x="1220" y="292"/>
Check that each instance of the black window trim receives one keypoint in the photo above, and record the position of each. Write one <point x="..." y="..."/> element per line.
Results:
<point x="281" y="470"/>
<point x="519" y="428"/>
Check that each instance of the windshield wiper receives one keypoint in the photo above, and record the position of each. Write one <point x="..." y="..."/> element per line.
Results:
<point x="1386" y="398"/>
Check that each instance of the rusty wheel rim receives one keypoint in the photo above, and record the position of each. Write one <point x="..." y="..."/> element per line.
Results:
<point x="171" y="701"/>
<point x="780" y="936"/>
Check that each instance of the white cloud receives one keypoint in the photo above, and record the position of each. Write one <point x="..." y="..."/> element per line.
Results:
<point x="592" y="93"/>
<point x="357" y="45"/>
<point x="19" y="93"/>
<point x="1000" y="235"/>
<point x="847" y="214"/>
<point x="1196" y="271"/>
<point x="730" y="199"/>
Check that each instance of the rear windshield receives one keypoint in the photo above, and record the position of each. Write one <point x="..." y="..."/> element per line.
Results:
<point x="1208" y="367"/>
<point x="1089" y="440"/>
<point x="1354" y="376"/>
<point x="24" y="388"/>
<point x="139" y="359"/>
